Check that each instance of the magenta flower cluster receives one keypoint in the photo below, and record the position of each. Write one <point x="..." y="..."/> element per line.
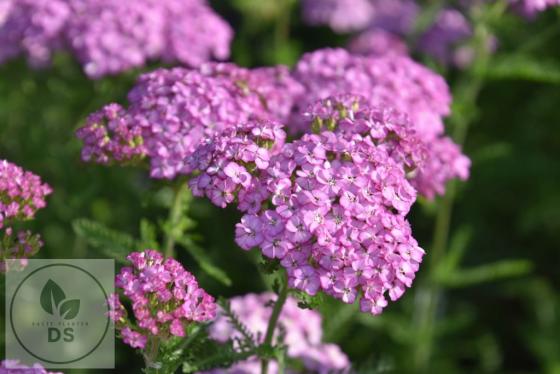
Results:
<point x="302" y="328"/>
<point x="165" y="299"/>
<point x="172" y="110"/>
<point x="389" y="81"/>
<point x="354" y="15"/>
<point x="377" y="42"/>
<point x="111" y="36"/>
<point x="229" y="164"/>
<point x="449" y="30"/>
<point x="336" y="215"/>
<point x="22" y="193"/>
<point x="17" y="247"/>
<point x="15" y="367"/>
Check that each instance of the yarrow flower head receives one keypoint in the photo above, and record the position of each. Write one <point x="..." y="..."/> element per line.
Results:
<point x="172" y="110"/>
<point x="230" y="163"/>
<point x="342" y="16"/>
<point x="377" y="42"/>
<point x="165" y="299"/>
<point x="15" y="367"/>
<point x="335" y="218"/>
<point x="385" y="82"/>
<point x="33" y="28"/>
<point x="303" y="334"/>
<point x="22" y="193"/>
<point x="387" y="128"/>
<point x="447" y="32"/>
<point x="111" y="36"/>
<point x="16" y="248"/>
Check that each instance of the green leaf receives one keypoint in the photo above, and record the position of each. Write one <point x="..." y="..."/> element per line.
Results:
<point x="204" y="261"/>
<point x="524" y="67"/>
<point x="69" y="309"/>
<point x="51" y="294"/>
<point x="233" y="319"/>
<point x="484" y="273"/>
<point x="108" y="242"/>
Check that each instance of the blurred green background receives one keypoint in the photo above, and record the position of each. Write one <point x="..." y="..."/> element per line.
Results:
<point x="487" y="318"/>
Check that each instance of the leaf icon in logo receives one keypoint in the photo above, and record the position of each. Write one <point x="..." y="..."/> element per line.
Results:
<point x="51" y="295"/>
<point x="69" y="309"/>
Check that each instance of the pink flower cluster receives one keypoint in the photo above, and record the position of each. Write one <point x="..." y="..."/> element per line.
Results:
<point x="448" y="30"/>
<point x="303" y="334"/>
<point x="377" y="42"/>
<point x="354" y="15"/>
<point x="15" y="367"/>
<point x="230" y="164"/>
<point x="165" y="299"/>
<point x="22" y="193"/>
<point x="17" y="248"/>
<point x="387" y="81"/>
<point x="111" y="36"/>
<point x="335" y="218"/>
<point x="172" y="110"/>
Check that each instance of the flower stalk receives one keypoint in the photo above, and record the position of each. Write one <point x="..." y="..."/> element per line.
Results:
<point x="273" y="321"/>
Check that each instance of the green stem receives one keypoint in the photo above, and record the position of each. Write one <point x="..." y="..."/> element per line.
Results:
<point x="282" y="27"/>
<point x="185" y="344"/>
<point x="151" y="355"/>
<point x="176" y="211"/>
<point x="272" y="322"/>
<point x="282" y="30"/>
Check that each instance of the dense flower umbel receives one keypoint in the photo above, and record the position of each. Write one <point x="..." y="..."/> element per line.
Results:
<point x="387" y="81"/>
<point x="448" y="31"/>
<point x="230" y="164"/>
<point x="395" y="81"/>
<point x="15" y="367"/>
<point x="165" y="299"/>
<point x="110" y="36"/>
<point x="17" y="247"/>
<point x="22" y="193"/>
<point x="377" y="42"/>
<point x="336" y="220"/>
<point x="340" y="15"/>
<point x="354" y="15"/>
<point x="302" y="328"/>
<point x="386" y="128"/>
<point x="172" y="110"/>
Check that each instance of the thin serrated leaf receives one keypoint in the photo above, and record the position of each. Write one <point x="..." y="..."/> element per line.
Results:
<point x="108" y="242"/>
